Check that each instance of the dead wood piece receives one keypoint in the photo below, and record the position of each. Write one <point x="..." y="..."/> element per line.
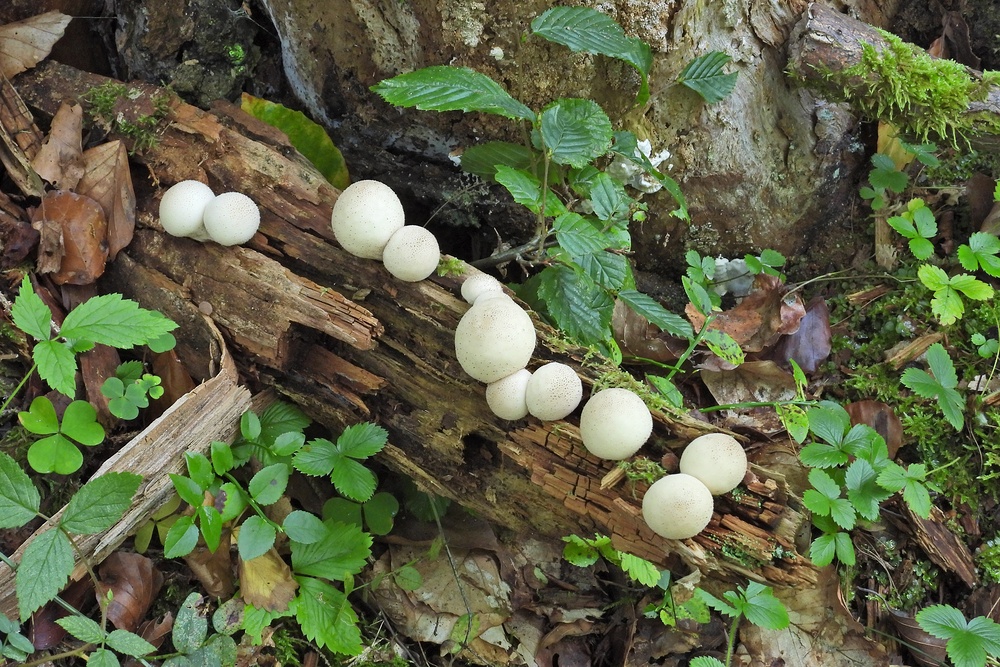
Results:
<point x="942" y="546"/>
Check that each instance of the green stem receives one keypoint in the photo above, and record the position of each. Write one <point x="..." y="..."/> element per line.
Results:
<point x="18" y="388"/>
<point x="756" y="404"/>
<point x="253" y="504"/>
<point x="543" y="231"/>
<point x="731" y="643"/>
<point x="940" y="468"/>
<point x="686" y="354"/>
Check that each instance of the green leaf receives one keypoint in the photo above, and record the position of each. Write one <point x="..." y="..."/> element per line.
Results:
<point x="315" y="458"/>
<point x="706" y="661"/>
<point x="227" y="619"/>
<point x="190" y="625"/>
<point x="339" y="555"/>
<point x="609" y="199"/>
<point x="578" y="236"/>
<point x="256" y="538"/>
<point x="607" y="269"/>
<point x="102" y="657"/>
<point x="30" y="314"/>
<point x="575" y="131"/>
<point x="640" y="569"/>
<point x="408" y="578"/>
<point x="380" y="512"/>
<point x="352" y="479"/>
<point x="794" y="420"/>
<point x="45" y="568"/>
<point x="981" y="252"/>
<point x="100" y="503"/>
<point x="586" y="30"/>
<point x="863" y="490"/>
<point x="129" y="643"/>
<point x="306" y="136"/>
<point x="941" y="366"/>
<point x="55" y="454"/>
<point x="723" y="346"/>
<point x="715" y="603"/>
<point x="188" y="489"/>
<point x="343" y="510"/>
<point x="829" y="422"/>
<point x="222" y="457"/>
<point x="304" y="527"/>
<point x="288" y="443"/>
<point x="360" y="441"/>
<point x="646" y="306"/>
<point x="56" y="365"/>
<point x="971" y="287"/>
<point x="904" y="226"/>
<point x="83" y="628"/>
<point x="111" y="320"/>
<point x="823" y="550"/>
<point x="763" y="609"/>
<point x="250" y="427"/>
<point x="704" y="75"/>
<point x="326" y="617"/>
<point x="522" y="185"/>
<point x="181" y="539"/>
<point x="210" y="523"/>
<point x="79" y="422"/>
<point x="483" y="159"/>
<point x="446" y="88"/>
<point x="939" y="386"/>
<point x="579" y="552"/>
<point x="969" y="643"/>
<point x="40" y="418"/>
<point x="579" y="306"/>
<point x="281" y="417"/>
<point x="19" y="499"/>
<point x="885" y="176"/>
<point x="934" y="278"/>
<point x="269" y="483"/>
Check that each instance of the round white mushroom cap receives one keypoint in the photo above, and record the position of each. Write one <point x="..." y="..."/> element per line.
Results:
<point x="478" y="284"/>
<point x="506" y="396"/>
<point x="182" y="209"/>
<point x="232" y="218"/>
<point x="614" y="424"/>
<point x="366" y="215"/>
<point x="553" y="392"/>
<point x="411" y="254"/>
<point x="494" y="339"/>
<point x="677" y="506"/>
<point x="717" y="459"/>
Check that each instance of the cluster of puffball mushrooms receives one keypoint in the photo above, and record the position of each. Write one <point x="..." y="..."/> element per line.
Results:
<point x="494" y="342"/>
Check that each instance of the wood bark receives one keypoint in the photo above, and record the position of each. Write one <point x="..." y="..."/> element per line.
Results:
<point x="343" y="339"/>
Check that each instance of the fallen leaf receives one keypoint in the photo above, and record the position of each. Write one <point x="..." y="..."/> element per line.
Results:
<point x="45" y="632"/>
<point x="930" y="651"/>
<point x="880" y="417"/>
<point x="266" y="582"/>
<point x="809" y="346"/>
<point x="752" y="381"/>
<point x="134" y="582"/>
<point x="18" y="240"/>
<point x="24" y="44"/>
<point x="60" y="160"/>
<point x="174" y="378"/>
<point x="74" y="230"/>
<point x="108" y="181"/>
<point x="637" y="337"/>
<point x="766" y="314"/>
<point x="214" y="569"/>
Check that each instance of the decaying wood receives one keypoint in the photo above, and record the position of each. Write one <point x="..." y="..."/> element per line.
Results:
<point x="347" y="342"/>
<point x="210" y="412"/>
<point x="827" y="42"/>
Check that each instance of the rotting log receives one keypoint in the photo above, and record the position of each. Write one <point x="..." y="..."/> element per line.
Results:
<point x="826" y="42"/>
<point x="347" y="342"/>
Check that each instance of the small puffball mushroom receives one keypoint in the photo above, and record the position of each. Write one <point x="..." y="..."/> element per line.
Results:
<point x="183" y="207"/>
<point x="411" y="254"/>
<point x="614" y="424"/>
<point x="365" y="217"/>
<point x="232" y="218"/>
<point x="479" y="284"/>
<point x="506" y="396"/>
<point x="677" y="506"/>
<point x="494" y="339"/>
<point x="553" y="392"/>
<point x="717" y="459"/>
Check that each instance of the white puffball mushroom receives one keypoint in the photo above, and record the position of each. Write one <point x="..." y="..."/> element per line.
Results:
<point x="677" y="506"/>
<point x="614" y="424"/>
<point x="717" y="459"/>
<point x="479" y="284"/>
<point x="553" y="391"/>
<point x="365" y="217"/>
<point x="411" y="254"/>
<point x="182" y="209"/>
<point x="506" y="396"/>
<point x="494" y="339"/>
<point x="232" y="218"/>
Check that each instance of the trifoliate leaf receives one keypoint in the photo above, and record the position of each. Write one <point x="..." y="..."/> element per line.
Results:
<point x="360" y="441"/>
<point x="981" y="252"/>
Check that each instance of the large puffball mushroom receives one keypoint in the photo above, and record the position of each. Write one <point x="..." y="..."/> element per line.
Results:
<point x="365" y="217"/>
<point x="479" y="284"/>
<point x="411" y="254"/>
<point x="614" y="424"/>
<point x="494" y="339"/>
<point x="677" y="506"/>
<point x="506" y="396"/>
<point x="716" y="459"/>
<point x="553" y="391"/>
<point x="232" y="218"/>
<point x="182" y="209"/>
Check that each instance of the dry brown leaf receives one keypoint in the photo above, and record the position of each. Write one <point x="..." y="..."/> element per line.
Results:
<point x="214" y="569"/>
<point x="82" y="246"/>
<point x="811" y="344"/>
<point x="174" y="378"/>
<point x="752" y="381"/>
<point x="926" y="650"/>
<point x="134" y="582"/>
<point x="24" y="44"/>
<point x="880" y="417"/>
<point x="19" y="239"/>
<point x="266" y="582"/>
<point x="60" y="160"/>
<point x="638" y="338"/>
<point x="108" y="181"/>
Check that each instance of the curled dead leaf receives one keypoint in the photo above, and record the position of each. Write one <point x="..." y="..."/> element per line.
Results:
<point x="24" y="44"/>
<point x="134" y="582"/>
<point x="811" y="344"/>
<point x="60" y="160"/>
<point x="73" y="244"/>
<point x="638" y="338"/>
<point x="880" y="417"/>
<point x="266" y="582"/>
<point x="214" y="569"/>
<point x="108" y="181"/>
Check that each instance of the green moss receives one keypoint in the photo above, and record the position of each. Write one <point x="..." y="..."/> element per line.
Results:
<point x="128" y="112"/>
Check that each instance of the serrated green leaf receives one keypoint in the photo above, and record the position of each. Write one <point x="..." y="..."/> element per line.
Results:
<point x="522" y="185"/>
<point x="281" y="417"/>
<point x="56" y="365"/>
<point x="129" y="643"/>
<point x="483" y="159"/>
<point x="579" y="552"/>
<point x="763" y="609"/>
<point x="267" y="486"/>
<point x="971" y="287"/>
<point x="111" y="320"/>
<point x="361" y="441"/>
<point x="648" y="307"/>
<point x="575" y="131"/>
<point x="19" y="499"/>
<point x="863" y="489"/>
<point x="326" y="617"/>
<point x="829" y="422"/>
<point x="446" y="88"/>
<point x="352" y="479"/>
<point x="83" y="628"/>
<point x="339" y="555"/>
<point x="607" y="269"/>
<point x="256" y="538"/>
<point x="308" y="137"/>
<point x="947" y="305"/>
<point x="578" y="305"/>
<point x="578" y="236"/>
<point x="315" y="458"/>
<point x="640" y="569"/>
<point x="904" y="226"/>
<point x="941" y="366"/>
<point x="582" y="29"/>
<point x="102" y="657"/>
<point x="181" y="539"/>
<point x="45" y="568"/>
<point x="100" y="503"/>
<point x="824" y="484"/>
<point x="706" y="661"/>
<point x="30" y="314"/>
<point x="704" y="75"/>
<point x="934" y="278"/>
<point x="715" y="603"/>
<point x="608" y="198"/>
<point x="981" y="252"/>
<point x="822" y="550"/>
<point x="845" y="548"/>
